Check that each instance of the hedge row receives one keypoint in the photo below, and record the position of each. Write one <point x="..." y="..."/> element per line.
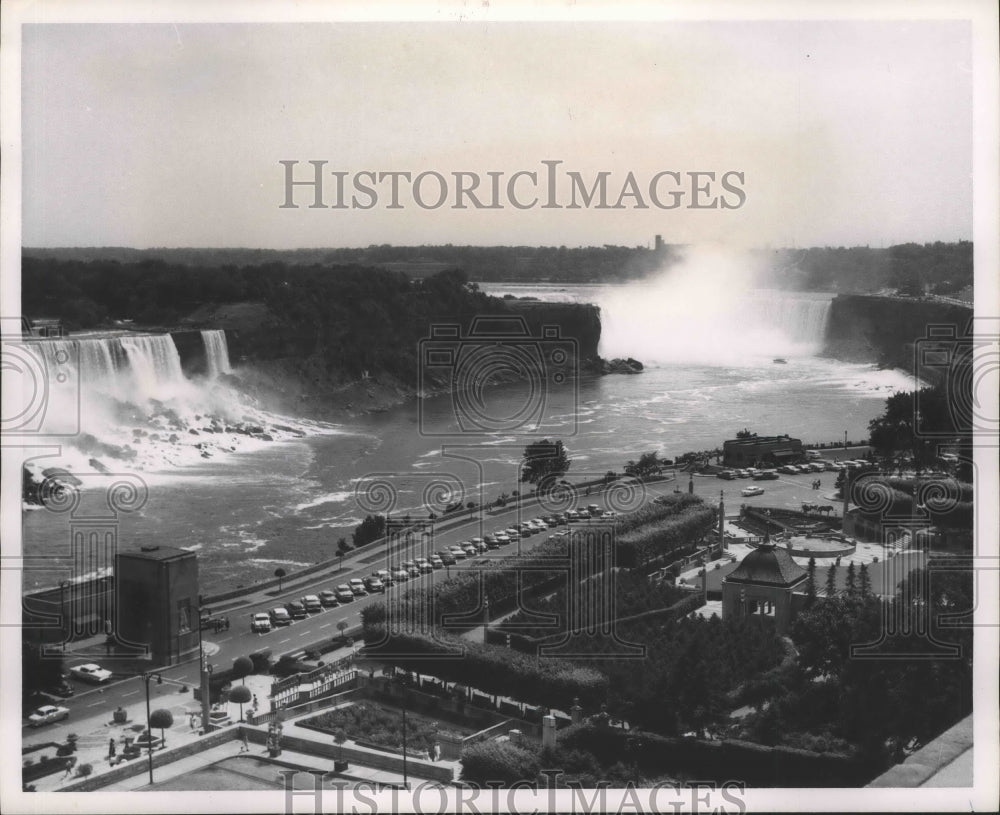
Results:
<point x="491" y="669"/>
<point x="652" y="542"/>
<point x="661" y="508"/>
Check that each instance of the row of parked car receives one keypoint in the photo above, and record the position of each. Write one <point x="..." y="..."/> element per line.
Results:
<point x="262" y="622"/>
<point x="785" y="469"/>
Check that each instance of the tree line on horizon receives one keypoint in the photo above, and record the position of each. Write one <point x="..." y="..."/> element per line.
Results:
<point x="908" y="268"/>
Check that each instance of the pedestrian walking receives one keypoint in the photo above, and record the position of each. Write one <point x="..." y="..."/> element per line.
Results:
<point x="227" y="622"/>
<point x="111" y="748"/>
<point x="255" y="701"/>
<point x="245" y="746"/>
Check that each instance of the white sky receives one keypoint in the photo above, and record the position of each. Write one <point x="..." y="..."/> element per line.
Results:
<point x="170" y="135"/>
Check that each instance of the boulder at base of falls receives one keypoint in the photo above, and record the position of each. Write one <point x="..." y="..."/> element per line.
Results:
<point x="621" y="366"/>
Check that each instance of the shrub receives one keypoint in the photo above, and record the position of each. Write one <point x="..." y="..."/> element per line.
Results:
<point x="493" y="761"/>
<point x="84" y="770"/>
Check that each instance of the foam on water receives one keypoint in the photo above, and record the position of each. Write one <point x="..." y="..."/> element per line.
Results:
<point x="124" y="401"/>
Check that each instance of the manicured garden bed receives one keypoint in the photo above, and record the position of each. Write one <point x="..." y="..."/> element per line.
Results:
<point x="379" y="726"/>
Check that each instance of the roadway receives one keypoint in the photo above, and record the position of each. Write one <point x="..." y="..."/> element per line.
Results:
<point x="239" y="640"/>
<point x="790" y="491"/>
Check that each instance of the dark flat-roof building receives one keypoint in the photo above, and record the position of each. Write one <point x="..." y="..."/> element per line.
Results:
<point x="753" y="450"/>
<point x="157" y="601"/>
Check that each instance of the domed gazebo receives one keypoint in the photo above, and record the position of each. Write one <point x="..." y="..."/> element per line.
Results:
<point x="763" y="585"/>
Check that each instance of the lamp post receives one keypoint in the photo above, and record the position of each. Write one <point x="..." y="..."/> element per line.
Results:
<point x="63" y="584"/>
<point x="146" y="676"/>
<point x="406" y="784"/>
<point x="203" y="682"/>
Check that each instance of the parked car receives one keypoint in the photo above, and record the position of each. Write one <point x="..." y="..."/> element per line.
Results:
<point x="328" y="599"/>
<point x="63" y="688"/>
<point x="424" y="565"/>
<point x="385" y="576"/>
<point x="296" y="610"/>
<point x="260" y="623"/>
<point x="751" y="491"/>
<point x="447" y="558"/>
<point x="90" y="673"/>
<point x="312" y="603"/>
<point x="436" y="561"/>
<point x="593" y="510"/>
<point x="525" y="531"/>
<point x="399" y="575"/>
<point x="512" y="532"/>
<point x="551" y="521"/>
<point x="344" y="593"/>
<point x="787" y="469"/>
<point x="411" y="568"/>
<point x="728" y="475"/>
<point x="374" y="584"/>
<point x="47" y="714"/>
<point x="766" y="475"/>
<point x="279" y="616"/>
<point x="357" y="585"/>
<point x="479" y="543"/>
<point x="457" y="552"/>
<point x="470" y="549"/>
<point x="609" y="515"/>
<point x="502" y="538"/>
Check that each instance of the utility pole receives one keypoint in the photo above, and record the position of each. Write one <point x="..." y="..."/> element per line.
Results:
<point x="204" y="684"/>
<point x="406" y="784"/>
<point x="486" y="619"/>
<point x="149" y="730"/>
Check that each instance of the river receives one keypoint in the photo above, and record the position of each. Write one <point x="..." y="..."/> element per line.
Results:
<point x="286" y="503"/>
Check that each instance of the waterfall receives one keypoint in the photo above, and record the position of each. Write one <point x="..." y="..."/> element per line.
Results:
<point x="131" y="367"/>
<point x="800" y="318"/>
<point x="216" y="353"/>
<point x="706" y="310"/>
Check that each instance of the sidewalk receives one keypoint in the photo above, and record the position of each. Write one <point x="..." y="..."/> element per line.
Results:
<point x="95" y="733"/>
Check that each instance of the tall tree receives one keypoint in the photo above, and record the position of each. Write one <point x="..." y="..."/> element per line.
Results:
<point x="544" y="462"/>
<point x="811" y="582"/>
<point x="864" y="581"/>
<point x="831" y="581"/>
<point x="852" y="588"/>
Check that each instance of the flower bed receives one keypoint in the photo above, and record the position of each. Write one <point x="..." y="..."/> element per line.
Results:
<point x="377" y="726"/>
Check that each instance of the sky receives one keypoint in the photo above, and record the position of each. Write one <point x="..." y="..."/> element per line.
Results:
<point x="836" y="132"/>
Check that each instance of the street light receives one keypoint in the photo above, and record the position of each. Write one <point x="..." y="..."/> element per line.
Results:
<point x="203" y="683"/>
<point x="63" y="585"/>
<point x="146" y="676"/>
<point x="406" y="784"/>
